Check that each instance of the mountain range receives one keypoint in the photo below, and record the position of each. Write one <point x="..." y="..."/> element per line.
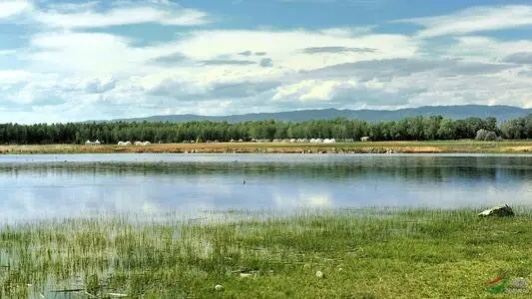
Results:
<point x="500" y="112"/>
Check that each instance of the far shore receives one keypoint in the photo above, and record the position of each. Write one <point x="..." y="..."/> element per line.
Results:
<point x="380" y="147"/>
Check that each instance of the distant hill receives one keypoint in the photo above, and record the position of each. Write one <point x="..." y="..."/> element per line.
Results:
<point x="502" y="113"/>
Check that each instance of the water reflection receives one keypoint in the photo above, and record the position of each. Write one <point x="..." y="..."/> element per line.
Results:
<point x="34" y="187"/>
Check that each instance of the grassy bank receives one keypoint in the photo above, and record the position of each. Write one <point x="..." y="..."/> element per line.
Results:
<point x="369" y="254"/>
<point x="456" y="146"/>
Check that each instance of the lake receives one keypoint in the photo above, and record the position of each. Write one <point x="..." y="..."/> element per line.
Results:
<point x="56" y="186"/>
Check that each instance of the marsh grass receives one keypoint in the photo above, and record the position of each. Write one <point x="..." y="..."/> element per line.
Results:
<point x="449" y="146"/>
<point x="362" y="253"/>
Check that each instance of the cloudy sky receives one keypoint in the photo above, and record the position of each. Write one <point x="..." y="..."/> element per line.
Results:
<point x="72" y="61"/>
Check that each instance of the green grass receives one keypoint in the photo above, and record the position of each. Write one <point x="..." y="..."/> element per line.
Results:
<point x="363" y="254"/>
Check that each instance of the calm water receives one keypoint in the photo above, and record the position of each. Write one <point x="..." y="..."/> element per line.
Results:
<point x="45" y="186"/>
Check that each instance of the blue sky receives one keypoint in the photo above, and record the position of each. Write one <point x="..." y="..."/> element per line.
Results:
<point x="77" y="60"/>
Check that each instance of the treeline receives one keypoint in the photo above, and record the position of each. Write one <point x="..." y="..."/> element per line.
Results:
<point x="414" y="128"/>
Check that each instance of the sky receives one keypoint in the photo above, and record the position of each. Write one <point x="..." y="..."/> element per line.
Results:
<point x="94" y="60"/>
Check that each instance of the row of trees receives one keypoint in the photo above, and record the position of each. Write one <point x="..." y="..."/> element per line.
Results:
<point x="414" y="128"/>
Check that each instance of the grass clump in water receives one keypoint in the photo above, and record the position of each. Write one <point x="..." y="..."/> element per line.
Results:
<point x="361" y="254"/>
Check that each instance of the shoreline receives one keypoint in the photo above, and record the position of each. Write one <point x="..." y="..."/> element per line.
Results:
<point x="374" y="147"/>
<point x="421" y="253"/>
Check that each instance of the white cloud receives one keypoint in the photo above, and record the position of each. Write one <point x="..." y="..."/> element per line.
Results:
<point x="349" y="93"/>
<point x="285" y="47"/>
<point x="92" y="15"/>
<point x="310" y="90"/>
<point x="487" y="49"/>
<point x="12" y="8"/>
<point x="9" y="77"/>
<point x="505" y="88"/>
<point x="121" y="78"/>
<point x="94" y="53"/>
<point x="103" y="54"/>
<point x="475" y="19"/>
<point x="99" y="85"/>
<point x="87" y="17"/>
<point x="67" y="72"/>
<point x="7" y="52"/>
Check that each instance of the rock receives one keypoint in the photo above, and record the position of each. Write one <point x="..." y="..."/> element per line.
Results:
<point x="219" y="287"/>
<point x="116" y="295"/>
<point x="319" y="274"/>
<point x="519" y="283"/>
<point x="499" y="211"/>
